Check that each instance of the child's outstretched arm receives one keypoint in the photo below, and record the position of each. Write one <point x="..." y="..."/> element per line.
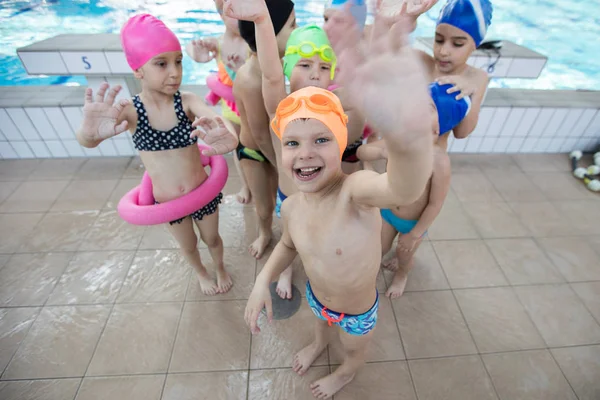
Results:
<point x="273" y="81"/>
<point x="102" y="119"/>
<point x="282" y="256"/>
<point x="390" y="88"/>
<point x="372" y="151"/>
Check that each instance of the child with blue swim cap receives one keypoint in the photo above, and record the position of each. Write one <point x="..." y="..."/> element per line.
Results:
<point x="461" y="27"/>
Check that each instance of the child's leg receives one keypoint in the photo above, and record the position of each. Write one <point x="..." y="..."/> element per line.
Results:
<point x="260" y="177"/>
<point x="355" y="348"/>
<point x="186" y="237"/>
<point x="284" y="283"/>
<point x="405" y="262"/>
<point x="209" y="233"/>
<point x="305" y="357"/>
<point x="388" y="233"/>
<point x="243" y="195"/>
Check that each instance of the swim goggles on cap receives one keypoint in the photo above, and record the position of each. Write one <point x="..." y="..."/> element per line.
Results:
<point x="309" y="49"/>
<point x="317" y="106"/>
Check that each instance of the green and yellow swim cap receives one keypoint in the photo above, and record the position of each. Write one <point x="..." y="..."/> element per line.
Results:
<point x="305" y="42"/>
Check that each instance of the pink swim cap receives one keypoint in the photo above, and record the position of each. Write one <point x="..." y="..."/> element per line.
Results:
<point x="143" y="37"/>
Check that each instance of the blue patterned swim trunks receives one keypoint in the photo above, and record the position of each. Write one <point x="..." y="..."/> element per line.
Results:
<point x="352" y="324"/>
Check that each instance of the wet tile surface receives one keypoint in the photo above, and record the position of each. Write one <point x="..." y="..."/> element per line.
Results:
<point x="503" y="302"/>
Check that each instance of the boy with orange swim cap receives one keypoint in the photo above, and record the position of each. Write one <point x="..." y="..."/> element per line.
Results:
<point x="330" y="223"/>
<point x="164" y="135"/>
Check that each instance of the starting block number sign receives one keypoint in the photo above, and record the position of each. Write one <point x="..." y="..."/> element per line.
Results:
<point x="86" y="63"/>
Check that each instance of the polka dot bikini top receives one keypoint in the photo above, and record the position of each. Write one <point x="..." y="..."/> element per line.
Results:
<point x="147" y="138"/>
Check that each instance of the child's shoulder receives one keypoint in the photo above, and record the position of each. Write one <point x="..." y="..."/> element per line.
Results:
<point x="477" y="75"/>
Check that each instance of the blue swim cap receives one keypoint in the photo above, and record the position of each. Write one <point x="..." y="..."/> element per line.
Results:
<point x="358" y="9"/>
<point x="472" y="16"/>
<point x="450" y="111"/>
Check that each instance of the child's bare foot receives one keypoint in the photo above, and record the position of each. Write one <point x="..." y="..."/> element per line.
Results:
<point x="397" y="287"/>
<point x="260" y="244"/>
<point x="391" y="264"/>
<point x="224" y="282"/>
<point x="244" y="196"/>
<point x="284" y="285"/>
<point x="326" y="387"/>
<point x="207" y="285"/>
<point x="305" y="357"/>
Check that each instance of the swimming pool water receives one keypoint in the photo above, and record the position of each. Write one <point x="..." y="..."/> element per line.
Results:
<point x="564" y="31"/>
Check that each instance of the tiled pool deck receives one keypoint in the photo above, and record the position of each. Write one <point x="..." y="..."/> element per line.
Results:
<point x="504" y="301"/>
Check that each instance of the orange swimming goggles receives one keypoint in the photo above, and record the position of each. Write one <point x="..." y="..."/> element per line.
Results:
<point x="316" y="103"/>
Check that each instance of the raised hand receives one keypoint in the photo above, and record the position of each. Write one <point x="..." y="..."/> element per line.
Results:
<point x="203" y="50"/>
<point x="215" y="134"/>
<point x="100" y="116"/>
<point x="460" y="85"/>
<point x="386" y="82"/>
<point x="415" y="8"/>
<point x="246" y="10"/>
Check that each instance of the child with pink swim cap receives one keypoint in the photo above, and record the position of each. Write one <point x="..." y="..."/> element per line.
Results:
<point x="230" y="52"/>
<point x="160" y="120"/>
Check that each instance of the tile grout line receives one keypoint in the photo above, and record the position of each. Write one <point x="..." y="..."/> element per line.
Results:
<point x="479" y="356"/>
<point x="563" y="374"/>
<point x="20" y="344"/>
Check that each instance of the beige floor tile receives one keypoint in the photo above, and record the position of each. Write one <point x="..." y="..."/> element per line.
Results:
<point x="17" y="170"/>
<point x="468" y="263"/>
<point x="453" y="378"/>
<point x="559" y="315"/>
<point x="498" y="322"/>
<point x="386" y="344"/>
<point x="7" y="189"/>
<point x="589" y="293"/>
<point x="381" y="381"/>
<point x="123" y="186"/>
<point x="160" y="275"/>
<point x="103" y="168"/>
<point x="523" y="262"/>
<point x="581" y="366"/>
<point x="574" y="258"/>
<point x="278" y="342"/>
<point x="582" y="214"/>
<point x="527" y="375"/>
<point x="63" y="168"/>
<point x="541" y="162"/>
<point x="60" y="231"/>
<point x="495" y="220"/>
<point x="427" y="273"/>
<point x="144" y="387"/>
<point x="277" y="384"/>
<point x="206" y="385"/>
<point x="28" y="279"/>
<point x="135" y="168"/>
<point x="14" y="325"/>
<point x="212" y="337"/>
<point x="15" y="228"/>
<point x="595" y="242"/>
<point x="59" y="344"/>
<point x="85" y="195"/>
<point x="34" y="196"/>
<point x="494" y="162"/>
<point x="474" y="187"/>
<point x="559" y="185"/>
<point x="515" y="186"/>
<point x="452" y="223"/>
<point x="137" y="340"/>
<point x="431" y="325"/>
<point x="4" y="259"/>
<point x="463" y="163"/>
<point x="238" y="226"/>
<point x="59" y="389"/>
<point x="240" y="265"/>
<point x="92" y="278"/>
<point x="543" y="219"/>
<point x="110" y="232"/>
<point x="158" y="237"/>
